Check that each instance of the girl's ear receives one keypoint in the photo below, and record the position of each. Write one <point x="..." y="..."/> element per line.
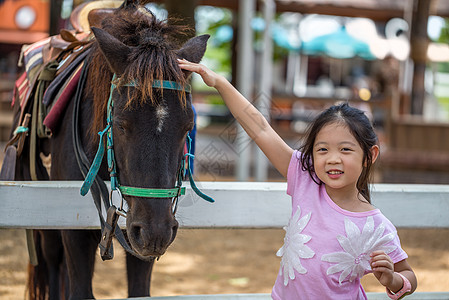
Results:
<point x="374" y="152"/>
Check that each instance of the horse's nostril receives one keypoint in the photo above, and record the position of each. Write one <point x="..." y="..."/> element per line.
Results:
<point x="174" y="231"/>
<point x="136" y="232"/>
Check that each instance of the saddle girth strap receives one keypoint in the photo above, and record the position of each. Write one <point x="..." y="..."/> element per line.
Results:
<point x="45" y="77"/>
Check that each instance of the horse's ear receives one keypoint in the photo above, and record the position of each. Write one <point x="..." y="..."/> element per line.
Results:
<point x="115" y="52"/>
<point x="127" y="3"/>
<point x="193" y="50"/>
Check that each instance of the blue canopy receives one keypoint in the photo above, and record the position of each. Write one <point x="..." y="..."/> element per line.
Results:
<point x="338" y="44"/>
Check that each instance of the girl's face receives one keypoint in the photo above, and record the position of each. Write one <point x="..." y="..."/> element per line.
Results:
<point x="337" y="159"/>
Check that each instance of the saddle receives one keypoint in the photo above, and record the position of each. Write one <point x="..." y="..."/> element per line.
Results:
<point x="92" y="13"/>
<point x="52" y="71"/>
<point x="49" y="69"/>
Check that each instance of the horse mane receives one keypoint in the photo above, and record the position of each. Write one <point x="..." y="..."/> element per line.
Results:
<point x="153" y="58"/>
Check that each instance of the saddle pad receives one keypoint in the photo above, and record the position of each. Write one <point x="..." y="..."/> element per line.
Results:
<point x="22" y="87"/>
<point x="32" y="54"/>
<point x="58" y="82"/>
<point x="8" y="170"/>
<point x="53" y="118"/>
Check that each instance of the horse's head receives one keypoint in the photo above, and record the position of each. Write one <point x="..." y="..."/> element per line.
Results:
<point x="149" y="124"/>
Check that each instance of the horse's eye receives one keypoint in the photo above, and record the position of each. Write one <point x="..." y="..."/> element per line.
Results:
<point x="121" y="126"/>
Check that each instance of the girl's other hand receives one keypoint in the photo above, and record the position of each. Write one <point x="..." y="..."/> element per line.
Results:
<point x="383" y="267"/>
<point x="209" y="77"/>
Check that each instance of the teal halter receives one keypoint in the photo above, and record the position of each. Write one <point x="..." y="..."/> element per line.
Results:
<point x="137" y="191"/>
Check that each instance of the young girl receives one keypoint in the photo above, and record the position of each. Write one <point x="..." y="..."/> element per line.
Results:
<point x="334" y="236"/>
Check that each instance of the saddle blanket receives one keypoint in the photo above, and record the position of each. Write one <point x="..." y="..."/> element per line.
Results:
<point x="61" y="88"/>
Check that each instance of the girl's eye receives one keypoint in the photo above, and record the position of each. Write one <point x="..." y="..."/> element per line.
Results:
<point x="346" y="149"/>
<point x="321" y="149"/>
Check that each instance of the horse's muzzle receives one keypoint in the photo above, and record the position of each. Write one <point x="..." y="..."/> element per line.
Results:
<point x="152" y="239"/>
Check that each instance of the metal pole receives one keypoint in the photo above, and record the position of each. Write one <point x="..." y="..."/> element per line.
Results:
<point x="245" y="67"/>
<point x="265" y="83"/>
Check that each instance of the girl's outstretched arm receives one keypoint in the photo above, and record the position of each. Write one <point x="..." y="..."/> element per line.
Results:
<point x="254" y="123"/>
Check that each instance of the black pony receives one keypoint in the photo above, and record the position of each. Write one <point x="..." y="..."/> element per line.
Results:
<point x="149" y="128"/>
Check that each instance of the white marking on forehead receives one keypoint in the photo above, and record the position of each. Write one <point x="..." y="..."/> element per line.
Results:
<point x="161" y="115"/>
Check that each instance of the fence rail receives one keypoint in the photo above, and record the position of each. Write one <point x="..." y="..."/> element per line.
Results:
<point x="238" y="205"/>
<point x="371" y="296"/>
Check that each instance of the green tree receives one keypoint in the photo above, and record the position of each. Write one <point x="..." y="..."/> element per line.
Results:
<point x="444" y="34"/>
<point x="444" y="38"/>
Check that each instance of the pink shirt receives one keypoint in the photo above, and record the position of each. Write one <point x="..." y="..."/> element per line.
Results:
<point x="326" y="248"/>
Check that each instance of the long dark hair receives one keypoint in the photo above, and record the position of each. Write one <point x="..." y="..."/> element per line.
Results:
<point x="359" y="126"/>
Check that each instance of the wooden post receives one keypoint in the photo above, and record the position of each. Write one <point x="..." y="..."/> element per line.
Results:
<point x="245" y="80"/>
<point x="55" y="17"/>
<point x="265" y="84"/>
<point x="419" y="43"/>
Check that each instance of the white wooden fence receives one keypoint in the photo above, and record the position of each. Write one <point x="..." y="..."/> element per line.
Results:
<point x="58" y="205"/>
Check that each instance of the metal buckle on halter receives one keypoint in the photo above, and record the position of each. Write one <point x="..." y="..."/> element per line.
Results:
<point x="119" y="211"/>
<point x="174" y="204"/>
<point x="179" y="193"/>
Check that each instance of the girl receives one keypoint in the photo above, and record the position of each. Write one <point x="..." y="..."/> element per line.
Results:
<point x="334" y="235"/>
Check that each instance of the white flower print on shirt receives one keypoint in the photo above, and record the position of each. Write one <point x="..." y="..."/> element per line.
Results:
<point x="294" y="249"/>
<point x="358" y="246"/>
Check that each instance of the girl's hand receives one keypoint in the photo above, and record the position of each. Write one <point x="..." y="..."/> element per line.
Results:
<point x="383" y="267"/>
<point x="209" y="77"/>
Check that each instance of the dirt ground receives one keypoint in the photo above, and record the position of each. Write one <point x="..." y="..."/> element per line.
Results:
<point x="211" y="261"/>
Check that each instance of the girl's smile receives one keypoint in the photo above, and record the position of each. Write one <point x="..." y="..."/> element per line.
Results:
<point x="334" y="174"/>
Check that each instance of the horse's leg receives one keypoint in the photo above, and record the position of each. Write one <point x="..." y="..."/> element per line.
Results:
<point x="139" y="276"/>
<point x="80" y="248"/>
<point x="52" y="251"/>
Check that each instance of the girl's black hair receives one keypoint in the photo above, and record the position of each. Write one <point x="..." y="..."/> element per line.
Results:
<point x="360" y="127"/>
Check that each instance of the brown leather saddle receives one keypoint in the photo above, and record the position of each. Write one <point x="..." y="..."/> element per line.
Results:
<point x="48" y="84"/>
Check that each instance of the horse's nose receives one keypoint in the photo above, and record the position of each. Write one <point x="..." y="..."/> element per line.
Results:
<point x="152" y="240"/>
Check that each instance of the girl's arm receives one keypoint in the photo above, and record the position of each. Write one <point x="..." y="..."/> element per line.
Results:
<point x="252" y="121"/>
<point x="385" y="271"/>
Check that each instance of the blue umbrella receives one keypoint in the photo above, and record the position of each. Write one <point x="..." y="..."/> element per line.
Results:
<point x="283" y="39"/>
<point x="338" y="44"/>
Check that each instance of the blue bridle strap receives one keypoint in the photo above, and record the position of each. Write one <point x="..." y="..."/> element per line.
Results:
<point x="164" y="84"/>
<point x="171" y="85"/>
<point x="95" y="164"/>
<point x="189" y="171"/>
